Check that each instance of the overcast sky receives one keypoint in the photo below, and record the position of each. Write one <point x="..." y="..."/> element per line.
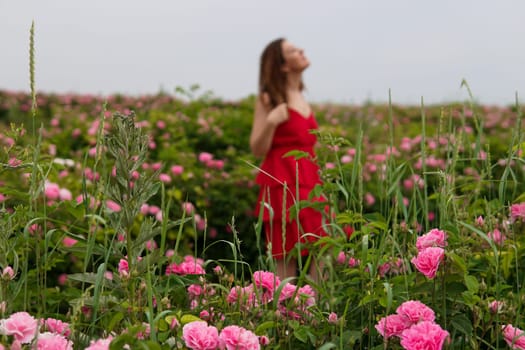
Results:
<point x="358" y="49"/>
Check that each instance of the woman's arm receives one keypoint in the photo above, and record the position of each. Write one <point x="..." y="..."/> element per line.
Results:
<point x="265" y="121"/>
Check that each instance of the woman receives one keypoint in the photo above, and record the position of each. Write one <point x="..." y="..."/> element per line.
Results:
<point x="282" y="123"/>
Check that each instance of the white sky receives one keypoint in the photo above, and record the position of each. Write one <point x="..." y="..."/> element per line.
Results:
<point x="358" y="49"/>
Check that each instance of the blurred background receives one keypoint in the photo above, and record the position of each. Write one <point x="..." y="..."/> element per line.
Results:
<point x="358" y="50"/>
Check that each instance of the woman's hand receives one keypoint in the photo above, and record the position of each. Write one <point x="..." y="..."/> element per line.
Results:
<point x="278" y="115"/>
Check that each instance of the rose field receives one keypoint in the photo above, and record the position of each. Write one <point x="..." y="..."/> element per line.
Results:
<point x="127" y="222"/>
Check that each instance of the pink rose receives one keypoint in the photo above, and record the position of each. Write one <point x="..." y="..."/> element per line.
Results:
<point x="51" y="191"/>
<point x="113" y="206"/>
<point x="123" y="267"/>
<point x="100" y="344"/>
<point x="496" y="306"/>
<point x="332" y="318"/>
<point x="199" y="336"/>
<point x="428" y="260"/>
<point x="243" y="296"/>
<point x="69" y="242"/>
<point x="515" y="337"/>
<point x="391" y="326"/>
<point x="65" y="194"/>
<point x="52" y="341"/>
<point x="341" y="258"/>
<point x="177" y="169"/>
<point x="57" y="326"/>
<point x="497" y="237"/>
<point x="414" y="311"/>
<point x="517" y="212"/>
<point x="266" y="280"/>
<point x="21" y="325"/>
<point x="238" y="338"/>
<point x="425" y="335"/>
<point x="165" y="178"/>
<point x="190" y="266"/>
<point x="8" y="273"/>
<point x="205" y="157"/>
<point x="433" y="238"/>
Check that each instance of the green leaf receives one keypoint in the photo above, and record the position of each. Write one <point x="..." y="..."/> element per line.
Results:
<point x="328" y="346"/>
<point x="263" y="327"/>
<point x="185" y="319"/>
<point x="472" y="284"/>
<point x="462" y="324"/>
<point x="301" y="334"/>
<point x="457" y="261"/>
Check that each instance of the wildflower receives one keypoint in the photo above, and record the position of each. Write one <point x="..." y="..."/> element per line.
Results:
<point x="514" y="337"/>
<point x="237" y="338"/>
<point x="424" y="335"/>
<point x="21" y="325"/>
<point x="199" y="336"/>
<point x="428" y="260"/>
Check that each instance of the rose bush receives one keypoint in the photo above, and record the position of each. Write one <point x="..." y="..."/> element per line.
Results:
<point x="137" y="231"/>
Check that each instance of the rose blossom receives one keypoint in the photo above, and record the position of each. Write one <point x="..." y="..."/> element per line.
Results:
<point x="514" y="336"/>
<point x="428" y="260"/>
<point x="52" y="341"/>
<point x="21" y="325"/>
<point x="238" y="338"/>
<point x="332" y="318"/>
<point x="100" y="344"/>
<point x="113" y="206"/>
<point x="433" y="238"/>
<point x="266" y="280"/>
<point x="391" y="326"/>
<point x="517" y="212"/>
<point x="496" y="306"/>
<point x="414" y="311"/>
<point x="425" y="335"/>
<point x="199" y="336"/>
<point x="205" y="157"/>
<point x="8" y="273"/>
<point x="57" y="326"/>
<point x="497" y="237"/>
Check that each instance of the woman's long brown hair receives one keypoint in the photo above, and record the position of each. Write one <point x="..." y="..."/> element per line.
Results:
<point x="272" y="79"/>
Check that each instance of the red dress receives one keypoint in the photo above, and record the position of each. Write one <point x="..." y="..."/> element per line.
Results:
<point x="295" y="176"/>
